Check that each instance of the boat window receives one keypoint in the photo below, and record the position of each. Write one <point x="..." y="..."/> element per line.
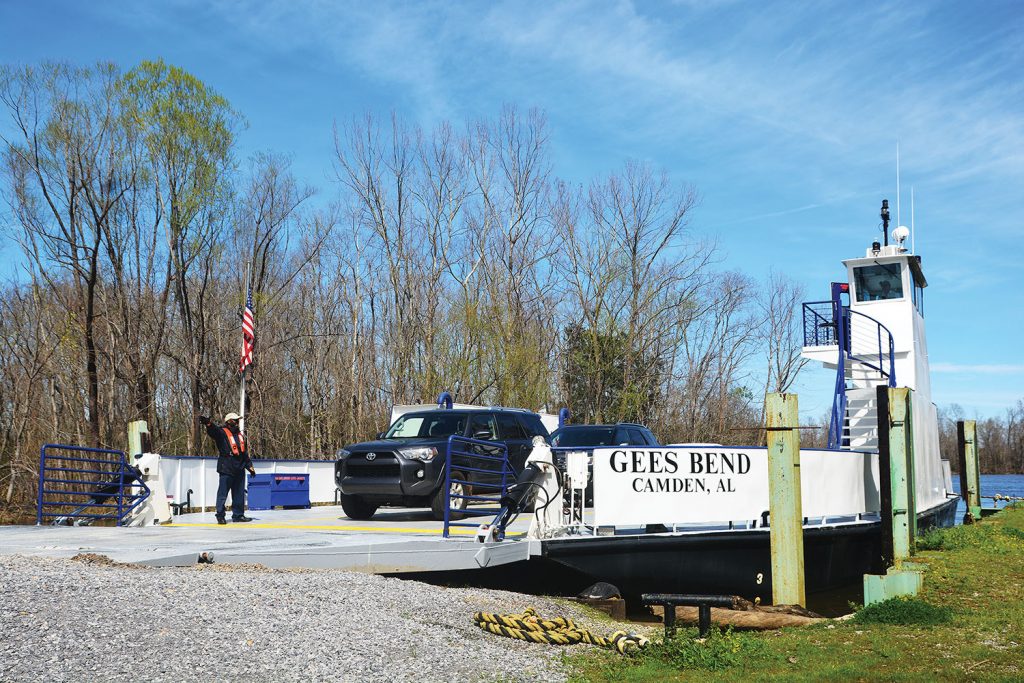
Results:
<point x="919" y="298"/>
<point x="878" y="282"/>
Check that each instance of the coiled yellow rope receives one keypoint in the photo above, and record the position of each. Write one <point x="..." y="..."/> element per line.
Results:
<point x="530" y="627"/>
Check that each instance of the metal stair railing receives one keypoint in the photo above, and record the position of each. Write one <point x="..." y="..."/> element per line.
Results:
<point x="864" y="342"/>
<point x="79" y="484"/>
<point x="486" y="473"/>
<point x="837" y="433"/>
<point x="819" y="321"/>
<point x="870" y="343"/>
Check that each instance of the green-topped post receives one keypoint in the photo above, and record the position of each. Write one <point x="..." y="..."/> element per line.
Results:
<point x="138" y="438"/>
<point x="896" y="474"/>
<point x="911" y="469"/>
<point x="970" y="477"/>
<point x="784" y="504"/>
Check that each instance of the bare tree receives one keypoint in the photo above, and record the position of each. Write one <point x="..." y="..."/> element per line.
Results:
<point x="779" y="302"/>
<point x="632" y="271"/>
<point x="66" y="177"/>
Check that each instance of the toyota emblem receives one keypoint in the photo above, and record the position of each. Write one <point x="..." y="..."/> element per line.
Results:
<point x="371" y="456"/>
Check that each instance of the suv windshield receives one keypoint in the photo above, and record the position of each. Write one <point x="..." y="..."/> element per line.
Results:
<point x="426" y="425"/>
<point x="583" y="436"/>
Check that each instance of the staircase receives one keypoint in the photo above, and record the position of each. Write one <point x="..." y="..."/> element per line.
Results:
<point x="865" y="362"/>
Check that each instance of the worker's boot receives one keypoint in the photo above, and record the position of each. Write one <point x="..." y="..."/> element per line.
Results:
<point x="221" y="520"/>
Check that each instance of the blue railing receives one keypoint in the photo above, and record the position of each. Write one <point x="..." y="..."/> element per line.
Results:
<point x="871" y="344"/>
<point x="79" y="483"/>
<point x="483" y="472"/>
<point x="863" y="340"/>
<point x="836" y="436"/>
<point x="820" y="327"/>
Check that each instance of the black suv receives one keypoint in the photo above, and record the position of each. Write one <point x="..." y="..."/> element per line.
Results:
<point x="599" y="436"/>
<point x="588" y="437"/>
<point x="405" y="466"/>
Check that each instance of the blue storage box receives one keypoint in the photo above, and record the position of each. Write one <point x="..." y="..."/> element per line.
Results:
<point x="285" y="489"/>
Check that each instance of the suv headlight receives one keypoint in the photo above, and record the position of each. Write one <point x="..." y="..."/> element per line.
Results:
<point x="342" y="453"/>
<point x="425" y="453"/>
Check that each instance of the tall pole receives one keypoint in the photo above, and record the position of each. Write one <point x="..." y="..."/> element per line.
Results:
<point x="970" y="479"/>
<point x="241" y="391"/>
<point x="785" y="505"/>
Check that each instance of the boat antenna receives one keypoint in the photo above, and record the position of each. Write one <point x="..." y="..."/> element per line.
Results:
<point x="913" y="232"/>
<point x="898" y="182"/>
<point x="885" y="221"/>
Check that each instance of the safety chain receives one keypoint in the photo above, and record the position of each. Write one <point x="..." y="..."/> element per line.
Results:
<point x="529" y="626"/>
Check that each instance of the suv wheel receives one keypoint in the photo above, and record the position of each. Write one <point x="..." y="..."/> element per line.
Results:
<point x="440" y="500"/>
<point x="357" y="508"/>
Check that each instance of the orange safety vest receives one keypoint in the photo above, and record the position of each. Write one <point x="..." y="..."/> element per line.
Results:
<point x="236" y="445"/>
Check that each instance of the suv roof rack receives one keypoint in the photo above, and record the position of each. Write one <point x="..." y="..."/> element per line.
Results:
<point x="608" y="424"/>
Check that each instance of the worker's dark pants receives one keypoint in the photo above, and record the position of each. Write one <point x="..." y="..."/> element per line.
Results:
<point x="236" y="484"/>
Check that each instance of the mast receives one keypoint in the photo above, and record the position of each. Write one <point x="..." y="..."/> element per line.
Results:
<point x="245" y="370"/>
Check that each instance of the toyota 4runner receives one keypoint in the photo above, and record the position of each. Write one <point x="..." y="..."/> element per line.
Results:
<point x="405" y="466"/>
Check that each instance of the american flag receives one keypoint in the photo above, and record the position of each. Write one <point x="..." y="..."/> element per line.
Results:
<point x="248" y="332"/>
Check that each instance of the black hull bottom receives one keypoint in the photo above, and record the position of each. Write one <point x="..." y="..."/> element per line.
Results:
<point x="729" y="562"/>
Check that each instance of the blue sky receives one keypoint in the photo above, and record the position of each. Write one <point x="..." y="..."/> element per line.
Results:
<point x="784" y="115"/>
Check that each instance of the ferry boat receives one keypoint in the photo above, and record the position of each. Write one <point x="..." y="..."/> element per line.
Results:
<point x="709" y="504"/>
<point x="689" y="518"/>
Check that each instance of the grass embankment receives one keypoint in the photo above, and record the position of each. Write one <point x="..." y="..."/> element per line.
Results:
<point x="967" y="624"/>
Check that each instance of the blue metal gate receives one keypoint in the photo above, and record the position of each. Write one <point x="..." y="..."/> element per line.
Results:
<point x="79" y="483"/>
<point x="483" y="474"/>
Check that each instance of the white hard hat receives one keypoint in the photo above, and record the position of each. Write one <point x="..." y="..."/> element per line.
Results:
<point x="232" y="416"/>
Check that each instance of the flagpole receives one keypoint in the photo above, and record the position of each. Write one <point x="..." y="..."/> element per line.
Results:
<point x="241" y="391"/>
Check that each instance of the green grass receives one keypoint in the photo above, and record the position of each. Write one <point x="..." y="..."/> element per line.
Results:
<point x="904" y="611"/>
<point x="966" y="625"/>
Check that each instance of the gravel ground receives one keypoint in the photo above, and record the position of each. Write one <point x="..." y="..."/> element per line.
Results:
<point x="74" y="620"/>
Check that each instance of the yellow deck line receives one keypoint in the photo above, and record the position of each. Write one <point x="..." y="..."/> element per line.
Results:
<point x="312" y="527"/>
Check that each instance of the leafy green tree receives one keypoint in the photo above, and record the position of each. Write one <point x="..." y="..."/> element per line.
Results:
<point x="188" y="131"/>
<point x="595" y="377"/>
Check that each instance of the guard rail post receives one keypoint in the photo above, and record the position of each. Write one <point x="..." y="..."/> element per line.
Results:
<point x="896" y="474"/>
<point x="970" y="478"/>
<point x="784" y="504"/>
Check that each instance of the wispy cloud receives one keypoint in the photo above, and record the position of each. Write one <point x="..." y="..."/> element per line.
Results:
<point x="969" y="369"/>
<point x="845" y="78"/>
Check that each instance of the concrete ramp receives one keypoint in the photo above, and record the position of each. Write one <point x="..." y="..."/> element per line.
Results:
<point x="395" y="541"/>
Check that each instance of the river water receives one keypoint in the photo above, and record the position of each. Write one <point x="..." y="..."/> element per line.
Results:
<point x="991" y="484"/>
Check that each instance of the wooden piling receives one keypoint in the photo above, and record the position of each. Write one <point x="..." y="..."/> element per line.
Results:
<point x="970" y="471"/>
<point x="898" y="513"/>
<point x="785" y="506"/>
<point x="895" y="467"/>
